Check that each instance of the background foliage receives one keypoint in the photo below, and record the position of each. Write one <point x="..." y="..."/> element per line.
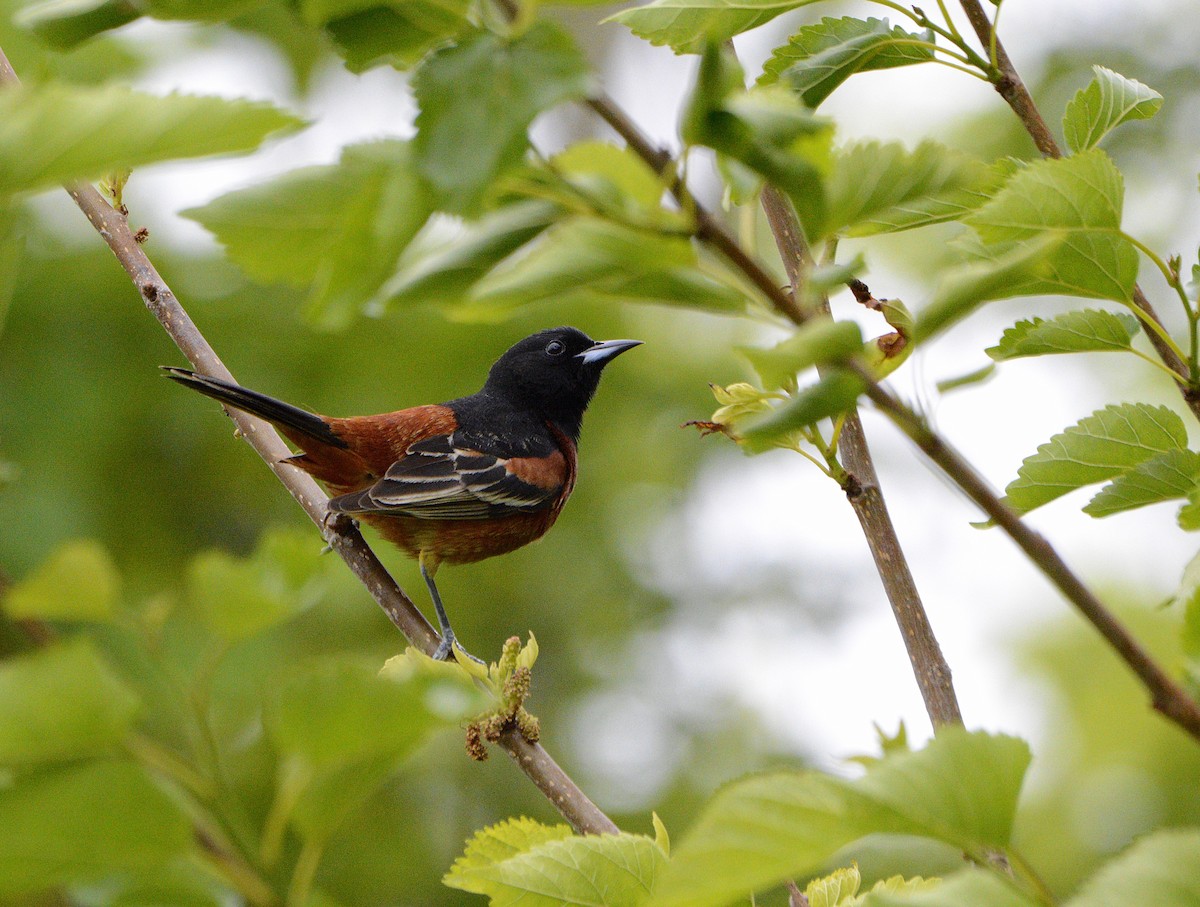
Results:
<point x="169" y="625"/>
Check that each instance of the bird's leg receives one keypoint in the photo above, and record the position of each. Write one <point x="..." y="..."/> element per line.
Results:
<point x="445" y="649"/>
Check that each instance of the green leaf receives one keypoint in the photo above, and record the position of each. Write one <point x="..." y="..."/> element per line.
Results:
<point x="586" y="257"/>
<point x="1189" y="596"/>
<point x="1159" y="870"/>
<point x="969" y="286"/>
<point x="976" y="887"/>
<point x="1105" y="444"/>
<point x="442" y="269"/>
<point x="1081" y="196"/>
<point x="617" y="180"/>
<point x="835" y="393"/>
<point x="84" y="823"/>
<point x="833" y="889"/>
<point x="82" y="132"/>
<point x="961" y="789"/>
<point x="61" y="702"/>
<point x="1189" y="513"/>
<point x="766" y="129"/>
<point x="64" y="24"/>
<point x="238" y="598"/>
<point x="401" y="33"/>
<point x="1086" y="331"/>
<point x="78" y="581"/>
<point x="818" y="342"/>
<point x="876" y="187"/>
<point x="1109" y="100"/>
<point x="818" y="58"/>
<point x="338" y="228"/>
<point x="687" y="26"/>
<point x="539" y="866"/>
<point x="511" y="81"/>
<point x="1163" y="477"/>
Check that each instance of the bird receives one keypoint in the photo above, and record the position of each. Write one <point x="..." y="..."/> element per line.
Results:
<point x="454" y="482"/>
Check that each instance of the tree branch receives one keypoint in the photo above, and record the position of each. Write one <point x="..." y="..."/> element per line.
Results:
<point x="1011" y="87"/>
<point x="1167" y="696"/>
<point x="583" y="815"/>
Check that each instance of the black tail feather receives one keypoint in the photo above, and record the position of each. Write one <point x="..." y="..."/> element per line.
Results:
<point x="274" y="411"/>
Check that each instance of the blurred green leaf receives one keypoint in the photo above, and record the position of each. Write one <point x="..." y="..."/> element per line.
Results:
<point x="63" y="24"/>
<point x="766" y="129"/>
<point x="1082" y="196"/>
<point x="818" y="58"/>
<point x="400" y="33"/>
<point x="522" y="862"/>
<point x="61" y="702"/>
<point x="877" y="184"/>
<point x="1105" y="444"/>
<point x="820" y="341"/>
<point x="1164" y="477"/>
<point x="338" y="228"/>
<point x="976" y="887"/>
<point x="78" y="581"/>
<point x="343" y="711"/>
<point x="689" y="25"/>
<point x="587" y="256"/>
<point x="1089" y="330"/>
<point x="467" y="138"/>
<point x="836" y="392"/>
<point x="1109" y="100"/>
<point x="965" y="288"/>
<point x="84" y="823"/>
<point x="976" y="184"/>
<point x="1159" y="870"/>
<point x="617" y="179"/>
<point x="240" y="597"/>
<point x="1189" y="513"/>
<point x="961" y="788"/>
<point x="83" y="132"/>
<point x="442" y="269"/>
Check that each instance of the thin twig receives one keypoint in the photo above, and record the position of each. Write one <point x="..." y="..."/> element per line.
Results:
<point x="1167" y="696"/>
<point x="583" y="815"/>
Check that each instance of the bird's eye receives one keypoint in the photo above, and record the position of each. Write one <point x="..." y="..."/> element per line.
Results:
<point x="556" y="348"/>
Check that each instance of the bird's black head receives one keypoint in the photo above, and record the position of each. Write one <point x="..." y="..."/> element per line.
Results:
<point x="554" y="372"/>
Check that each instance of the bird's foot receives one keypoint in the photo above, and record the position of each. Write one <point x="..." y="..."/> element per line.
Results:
<point x="446" y="650"/>
<point x="334" y="527"/>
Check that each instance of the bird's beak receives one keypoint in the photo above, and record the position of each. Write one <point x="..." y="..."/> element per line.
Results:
<point x="600" y="353"/>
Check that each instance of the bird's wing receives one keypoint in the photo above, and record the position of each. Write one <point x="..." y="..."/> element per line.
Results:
<point x="438" y="480"/>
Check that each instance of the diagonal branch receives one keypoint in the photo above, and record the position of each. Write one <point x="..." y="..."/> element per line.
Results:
<point x="574" y="805"/>
<point x="1010" y="86"/>
<point x="1167" y="696"/>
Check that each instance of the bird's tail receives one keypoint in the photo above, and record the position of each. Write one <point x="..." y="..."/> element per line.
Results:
<point x="274" y="411"/>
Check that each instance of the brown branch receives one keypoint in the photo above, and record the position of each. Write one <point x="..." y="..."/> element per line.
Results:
<point x="583" y="815"/>
<point x="1011" y="87"/>
<point x="1167" y="696"/>
<point x="929" y="665"/>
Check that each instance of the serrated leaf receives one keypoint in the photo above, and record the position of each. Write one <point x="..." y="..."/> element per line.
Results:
<point x="976" y="887"/>
<point x="64" y="24"/>
<point x="85" y="823"/>
<point x="1081" y="197"/>
<point x="980" y="184"/>
<point x="1109" y="100"/>
<point x="1163" y="477"/>
<point x="611" y="870"/>
<point x="338" y="229"/>
<point x="83" y="132"/>
<point x="836" y="392"/>
<point x="818" y="58"/>
<point x="79" y="581"/>
<point x="590" y="257"/>
<point x="511" y="81"/>
<point x="880" y="187"/>
<point x="961" y="789"/>
<point x="687" y="26"/>
<point x="1160" y="870"/>
<point x="503" y="841"/>
<point x="965" y="288"/>
<point x="833" y="889"/>
<point x="442" y="269"/>
<point x="1086" y="331"/>
<point x="895" y="885"/>
<point x="61" y="702"/>
<point x="1105" y="444"/>
<point x="369" y="34"/>
<point x="818" y="342"/>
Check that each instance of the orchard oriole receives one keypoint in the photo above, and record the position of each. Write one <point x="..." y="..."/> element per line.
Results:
<point x="452" y="482"/>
